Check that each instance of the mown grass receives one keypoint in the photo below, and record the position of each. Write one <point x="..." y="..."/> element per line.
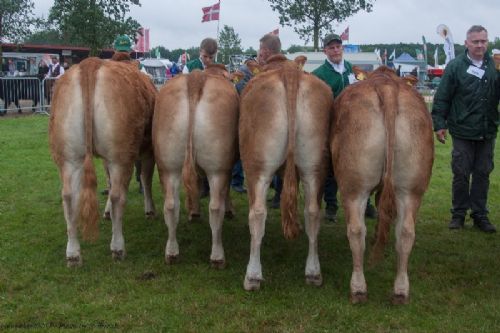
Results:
<point x="454" y="275"/>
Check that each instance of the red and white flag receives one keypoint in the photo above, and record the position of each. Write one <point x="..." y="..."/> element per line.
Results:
<point x="142" y="44"/>
<point x="211" y="13"/>
<point x="275" y="32"/>
<point x="345" y="34"/>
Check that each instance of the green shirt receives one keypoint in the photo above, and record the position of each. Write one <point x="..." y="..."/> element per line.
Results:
<point x="195" y="64"/>
<point x="335" y="80"/>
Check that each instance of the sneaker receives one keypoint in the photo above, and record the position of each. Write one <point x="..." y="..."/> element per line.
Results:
<point x="371" y="212"/>
<point x="456" y="223"/>
<point x="331" y="214"/>
<point x="484" y="225"/>
<point x="239" y="188"/>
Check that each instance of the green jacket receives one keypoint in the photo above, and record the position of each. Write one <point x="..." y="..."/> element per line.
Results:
<point x="466" y="104"/>
<point x="335" y="80"/>
<point x="195" y="64"/>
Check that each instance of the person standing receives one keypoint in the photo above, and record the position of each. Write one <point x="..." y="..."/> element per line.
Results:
<point x="338" y="74"/>
<point x="55" y="69"/>
<point x="466" y="105"/>
<point x="208" y="50"/>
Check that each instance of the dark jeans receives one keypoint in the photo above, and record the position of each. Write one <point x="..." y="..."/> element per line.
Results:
<point x="471" y="164"/>
<point x="238" y="175"/>
<point x="331" y="188"/>
<point x="329" y="196"/>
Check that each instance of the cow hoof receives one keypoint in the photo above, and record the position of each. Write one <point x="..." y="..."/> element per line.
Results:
<point x="400" y="299"/>
<point x="171" y="259"/>
<point x="251" y="284"/>
<point x="118" y="255"/>
<point x="229" y="215"/>
<point x="218" y="264"/>
<point x="359" y="297"/>
<point x="74" y="261"/>
<point x="314" y="280"/>
<point x="106" y="216"/>
<point x="150" y="215"/>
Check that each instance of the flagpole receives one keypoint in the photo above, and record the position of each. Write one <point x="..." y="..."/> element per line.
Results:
<point x="217" y="33"/>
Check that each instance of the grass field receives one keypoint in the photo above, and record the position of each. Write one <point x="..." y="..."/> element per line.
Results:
<point x="454" y="276"/>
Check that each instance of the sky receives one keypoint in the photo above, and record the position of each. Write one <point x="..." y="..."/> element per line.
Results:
<point x="177" y="24"/>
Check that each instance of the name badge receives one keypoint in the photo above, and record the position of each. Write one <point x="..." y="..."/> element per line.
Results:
<point x="352" y="78"/>
<point x="477" y="72"/>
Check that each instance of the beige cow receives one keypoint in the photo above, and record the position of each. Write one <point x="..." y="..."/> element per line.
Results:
<point x="104" y="109"/>
<point x="284" y="120"/>
<point x="381" y="140"/>
<point x="195" y="133"/>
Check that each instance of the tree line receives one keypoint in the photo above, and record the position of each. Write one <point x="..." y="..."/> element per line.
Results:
<point x="96" y="23"/>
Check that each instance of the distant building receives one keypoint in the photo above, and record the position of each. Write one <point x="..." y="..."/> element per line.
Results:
<point x="368" y="61"/>
<point x="70" y="54"/>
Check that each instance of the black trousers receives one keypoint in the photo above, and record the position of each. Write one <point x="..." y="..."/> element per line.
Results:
<point x="471" y="164"/>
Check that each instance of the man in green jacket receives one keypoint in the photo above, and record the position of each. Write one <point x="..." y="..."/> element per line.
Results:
<point x="466" y="105"/>
<point x="338" y="74"/>
<point x="208" y="50"/>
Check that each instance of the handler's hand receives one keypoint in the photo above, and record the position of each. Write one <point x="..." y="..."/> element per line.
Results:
<point x="441" y="135"/>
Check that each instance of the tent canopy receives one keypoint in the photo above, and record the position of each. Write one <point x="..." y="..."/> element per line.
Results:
<point x="406" y="58"/>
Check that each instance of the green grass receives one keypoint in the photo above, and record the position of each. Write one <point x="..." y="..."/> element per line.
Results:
<point x="454" y="276"/>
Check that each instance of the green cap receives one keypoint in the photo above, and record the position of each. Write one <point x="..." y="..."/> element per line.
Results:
<point x="123" y="44"/>
<point x="331" y="38"/>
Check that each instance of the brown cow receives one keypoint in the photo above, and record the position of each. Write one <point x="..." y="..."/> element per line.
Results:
<point x="195" y="131"/>
<point x="381" y="140"/>
<point x="100" y="108"/>
<point x="284" y="120"/>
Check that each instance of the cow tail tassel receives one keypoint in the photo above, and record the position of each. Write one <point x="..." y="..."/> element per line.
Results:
<point x="387" y="210"/>
<point x="89" y="206"/>
<point x="288" y="205"/>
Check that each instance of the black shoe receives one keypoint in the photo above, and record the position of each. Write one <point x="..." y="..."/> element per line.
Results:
<point x="456" y="223"/>
<point x="331" y="214"/>
<point x="371" y="212"/>
<point x="239" y="188"/>
<point x="484" y="225"/>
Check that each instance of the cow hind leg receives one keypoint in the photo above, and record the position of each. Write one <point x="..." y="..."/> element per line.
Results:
<point x="71" y="176"/>
<point x="171" y="207"/>
<point x="405" y="237"/>
<point x="312" y="225"/>
<point x="257" y="187"/>
<point x="147" y="169"/>
<point x="119" y="177"/>
<point x="356" y="232"/>
<point x="218" y="190"/>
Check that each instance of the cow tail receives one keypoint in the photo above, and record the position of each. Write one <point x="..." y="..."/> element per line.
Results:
<point x="89" y="206"/>
<point x="195" y="83"/>
<point x="291" y="227"/>
<point x="387" y="209"/>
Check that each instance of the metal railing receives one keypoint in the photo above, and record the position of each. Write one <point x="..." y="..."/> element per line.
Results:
<point x="19" y="94"/>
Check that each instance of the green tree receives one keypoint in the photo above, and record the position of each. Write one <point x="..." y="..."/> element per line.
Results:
<point x="94" y="23"/>
<point x="47" y="36"/>
<point x="17" y="20"/>
<point x="250" y="51"/>
<point x="317" y="16"/>
<point x="229" y="43"/>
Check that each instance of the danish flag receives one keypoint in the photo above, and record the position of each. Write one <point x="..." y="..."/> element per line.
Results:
<point x="211" y="13"/>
